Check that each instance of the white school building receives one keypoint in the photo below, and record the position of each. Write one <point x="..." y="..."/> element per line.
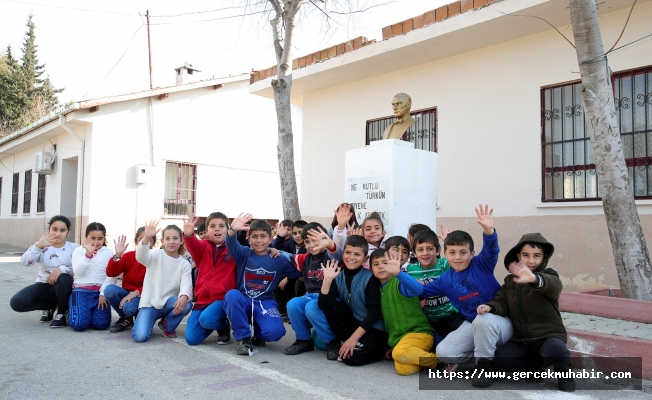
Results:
<point x="205" y="146"/>
<point x="498" y="98"/>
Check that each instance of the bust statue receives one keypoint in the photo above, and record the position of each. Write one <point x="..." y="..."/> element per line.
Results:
<point x="401" y="105"/>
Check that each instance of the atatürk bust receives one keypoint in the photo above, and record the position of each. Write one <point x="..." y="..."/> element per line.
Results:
<point x="401" y="105"/>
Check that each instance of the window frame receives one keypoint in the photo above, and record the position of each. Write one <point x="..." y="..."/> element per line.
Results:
<point x="1" y="180"/>
<point x="178" y="201"/>
<point x="27" y="192"/>
<point x="631" y="162"/>
<point x="412" y="137"/>
<point x="15" y="184"/>
<point x="40" y="193"/>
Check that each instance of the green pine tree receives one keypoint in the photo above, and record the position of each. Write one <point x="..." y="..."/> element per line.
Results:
<point x="24" y="95"/>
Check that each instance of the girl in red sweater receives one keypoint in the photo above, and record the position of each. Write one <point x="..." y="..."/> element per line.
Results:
<point x="216" y="275"/>
<point x="125" y="299"/>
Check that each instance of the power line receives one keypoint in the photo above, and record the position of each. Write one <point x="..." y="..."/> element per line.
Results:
<point x="117" y="62"/>
<point x="208" y="20"/>
<point x="195" y="12"/>
<point x="68" y="8"/>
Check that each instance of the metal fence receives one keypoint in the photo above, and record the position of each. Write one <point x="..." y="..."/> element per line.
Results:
<point x="423" y="133"/>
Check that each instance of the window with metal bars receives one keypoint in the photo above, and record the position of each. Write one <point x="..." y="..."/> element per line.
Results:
<point x="27" y="192"/>
<point x="40" y="194"/>
<point x="180" y="188"/>
<point x="569" y="172"/>
<point x="14" y="194"/>
<point x="423" y="133"/>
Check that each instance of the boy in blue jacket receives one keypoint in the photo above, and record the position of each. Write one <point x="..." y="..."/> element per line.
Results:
<point x="258" y="275"/>
<point x="469" y="283"/>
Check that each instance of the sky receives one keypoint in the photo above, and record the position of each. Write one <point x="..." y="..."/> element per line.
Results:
<point x="96" y="48"/>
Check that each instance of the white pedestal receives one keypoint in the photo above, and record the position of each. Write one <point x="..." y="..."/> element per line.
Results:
<point x="393" y="178"/>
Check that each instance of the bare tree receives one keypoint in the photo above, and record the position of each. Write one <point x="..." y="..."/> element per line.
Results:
<point x="627" y="240"/>
<point x="283" y="16"/>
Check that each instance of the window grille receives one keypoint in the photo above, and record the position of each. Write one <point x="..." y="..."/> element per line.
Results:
<point x="423" y="133"/>
<point x="14" y="194"/>
<point x="27" y="192"/>
<point x="568" y="162"/>
<point x="180" y="189"/>
<point x="40" y="194"/>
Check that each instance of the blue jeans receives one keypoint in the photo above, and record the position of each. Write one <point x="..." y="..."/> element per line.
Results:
<point x="304" y="311"/>
<point x="114" y="295"/>
<point x="267" y="321"/>
<point x="147" y="317"/>
<point x="202" y="323"/>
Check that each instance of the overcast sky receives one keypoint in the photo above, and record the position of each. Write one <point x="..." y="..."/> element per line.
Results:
<point x="80" y="47"/>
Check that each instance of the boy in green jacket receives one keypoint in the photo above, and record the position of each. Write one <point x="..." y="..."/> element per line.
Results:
<point x="530" y="299"/>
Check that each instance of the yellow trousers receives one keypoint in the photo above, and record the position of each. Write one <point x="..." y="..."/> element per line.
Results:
<point x="412" y="353"/>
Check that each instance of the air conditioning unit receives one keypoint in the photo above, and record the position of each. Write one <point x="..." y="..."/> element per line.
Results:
<point x="44" y="163"/>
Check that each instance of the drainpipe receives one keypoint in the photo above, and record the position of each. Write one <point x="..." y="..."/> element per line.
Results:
<point x="82" y="147"/>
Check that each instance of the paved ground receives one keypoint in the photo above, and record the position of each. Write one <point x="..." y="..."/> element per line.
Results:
<point x="39" y="362"/>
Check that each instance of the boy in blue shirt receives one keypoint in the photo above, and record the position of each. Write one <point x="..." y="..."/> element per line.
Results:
<point x="469" y="283"/>
<point x="258" y="275"/>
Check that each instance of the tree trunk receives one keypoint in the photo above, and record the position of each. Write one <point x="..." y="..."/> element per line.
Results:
<point x="628" y="243"/>
<point x="285" y="148"/>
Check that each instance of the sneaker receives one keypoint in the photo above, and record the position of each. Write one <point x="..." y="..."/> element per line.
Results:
<point x="224" y="335"/>
<point x="163" y="326"/>
<point x="47" y="315"/>
<point x="565" y="384"/>
<point x="333" y="351"/>
<point x="483" y="367"/>
<point x="59" y="321"/>
<point x="258" y="342"/>
<point x="122" y="324"/>
<point x="299" y="346"/>
<point x="244" y="346"/>
<point x="447" y="367"/>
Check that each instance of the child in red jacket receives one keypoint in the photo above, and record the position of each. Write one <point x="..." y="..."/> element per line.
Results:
<point x="125" y="299"/>
<point x="216" y="275"/>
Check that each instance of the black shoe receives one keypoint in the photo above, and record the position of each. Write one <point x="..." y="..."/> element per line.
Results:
<point x="122" y="324"/>
<point x="59" y="321"/>
<point x="285" y="318"/>
<point x="258" y="342"/>
<point x="565" y="384"/>
<point x="224" y="335"/>
<point x="333" y="351"/>
<point x="244" y="346"/>
<point x="47" y="315"/>
<point x="483" y="367"/>
<point x="299" y="347"/>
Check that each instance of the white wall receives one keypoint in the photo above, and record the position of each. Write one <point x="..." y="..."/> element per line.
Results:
<point x="229" y="134"/>
<point x="488" y="108"/>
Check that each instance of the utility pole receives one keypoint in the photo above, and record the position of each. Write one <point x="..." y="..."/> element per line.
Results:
<point x="149" y="50"/>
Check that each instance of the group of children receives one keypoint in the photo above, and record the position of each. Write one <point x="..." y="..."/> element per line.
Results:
<point x="362" y="294"/>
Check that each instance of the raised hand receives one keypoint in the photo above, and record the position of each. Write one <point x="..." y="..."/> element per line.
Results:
<point x="485" y="218"/>
<point x="86" y="244"/>
<point x="151" y="230"/>
<point x="189" y="225"/>
<point x="44" y="241"/>
<point x="357" y="231"/>
<point x="281" y="230"/>
<point x="343" y="215"/>
<point x="444" y="232"/>
<point x="349" y="229"/>
<point x="522" y="273"/>
<point x="393" y="263"/>
<point x="241" y="222"/>
<point x="323" y="239"/>
<point x="120" y="246"/>
<point x="331" y="270"/>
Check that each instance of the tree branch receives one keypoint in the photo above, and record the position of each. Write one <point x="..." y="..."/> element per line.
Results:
<point x="542" y="19"/>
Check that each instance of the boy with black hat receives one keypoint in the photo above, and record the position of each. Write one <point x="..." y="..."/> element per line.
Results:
<point x="530" y="299"/>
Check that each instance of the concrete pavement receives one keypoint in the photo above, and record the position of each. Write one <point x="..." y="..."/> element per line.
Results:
<point x="39" y="362"/>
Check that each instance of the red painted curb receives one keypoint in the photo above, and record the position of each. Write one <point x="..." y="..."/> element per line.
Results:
<point x="605" y="306"/>
<point x="599" y="344"/>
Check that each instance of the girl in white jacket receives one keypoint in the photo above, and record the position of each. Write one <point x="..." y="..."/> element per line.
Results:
<point x="88" y="306"/>
<point x="167" y="287"/>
